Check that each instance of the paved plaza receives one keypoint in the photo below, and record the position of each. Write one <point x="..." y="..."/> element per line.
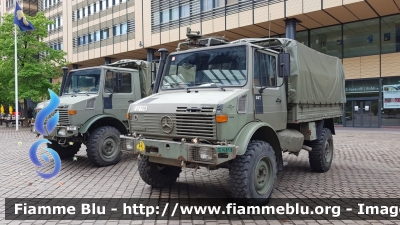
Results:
<point x="366" y="165"/>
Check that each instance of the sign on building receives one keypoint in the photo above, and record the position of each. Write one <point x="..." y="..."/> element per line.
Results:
<point x="391" y="96"/>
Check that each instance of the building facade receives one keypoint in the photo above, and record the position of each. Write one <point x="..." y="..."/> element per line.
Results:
<point x="365" y="34"/>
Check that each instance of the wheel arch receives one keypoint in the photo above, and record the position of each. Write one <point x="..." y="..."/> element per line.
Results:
<point x="103" y="120"/>
<point x="257" y="131"/>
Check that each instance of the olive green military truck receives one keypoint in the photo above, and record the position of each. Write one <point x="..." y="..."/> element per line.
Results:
<point x="237" y="105"/>
<point x="92" y="109"/>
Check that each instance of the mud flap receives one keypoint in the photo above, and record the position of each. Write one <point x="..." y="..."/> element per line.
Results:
<point x="279" y="162"/>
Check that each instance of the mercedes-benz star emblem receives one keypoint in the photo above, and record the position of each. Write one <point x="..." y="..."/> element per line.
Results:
<point x="167" y="125"/>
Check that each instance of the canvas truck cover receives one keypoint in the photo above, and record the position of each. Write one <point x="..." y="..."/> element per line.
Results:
<point x="144" y="68"/>
<point x="315" y="78"/>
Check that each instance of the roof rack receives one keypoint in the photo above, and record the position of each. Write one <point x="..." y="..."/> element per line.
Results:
<point x="196" y="40"/>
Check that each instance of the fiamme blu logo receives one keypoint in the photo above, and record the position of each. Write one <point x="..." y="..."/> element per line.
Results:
<point x="45" y="128"/>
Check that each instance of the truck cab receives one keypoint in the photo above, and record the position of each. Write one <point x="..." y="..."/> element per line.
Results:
<point x="92" y="109"/>
<point x="235" y="105"/>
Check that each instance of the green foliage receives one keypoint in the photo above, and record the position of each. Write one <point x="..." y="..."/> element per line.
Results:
<point x="34" y="71"/>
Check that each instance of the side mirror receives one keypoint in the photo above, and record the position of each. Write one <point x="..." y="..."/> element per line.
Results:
<point x="284" y="65"/>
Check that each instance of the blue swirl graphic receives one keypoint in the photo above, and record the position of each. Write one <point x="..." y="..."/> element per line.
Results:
<point x="45" y="112"/>
<point x="35" y="160"/>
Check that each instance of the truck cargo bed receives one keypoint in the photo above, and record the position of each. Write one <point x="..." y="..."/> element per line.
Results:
<point x="299" y="113"/>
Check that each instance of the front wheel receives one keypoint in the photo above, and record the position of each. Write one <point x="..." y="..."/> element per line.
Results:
<point x="252" y="175"/>
<point x="157" y="175"/>
<point x="103" y="146"/>
<point x="65" y="151"/>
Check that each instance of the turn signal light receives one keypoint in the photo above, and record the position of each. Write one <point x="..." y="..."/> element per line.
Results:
<point x="128" y="116"/>
<point x="72" y="112"/>
<point x="221" y="118"/>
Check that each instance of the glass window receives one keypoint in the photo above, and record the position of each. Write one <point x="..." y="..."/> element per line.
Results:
<point x="124" y="28"/>
<point x="220" y="67"/>
<point x="165" y="16"/>
<point x="60" y="21"/>
<point x="390" y="34"/>
<point x="206" y="5"/>
<point x="327" y="40"/>
<point x="302" y="37"/>
<point x="174" y="13"/>
<point x="117" y="30"/>
<point x="264" y="70"/>
<point x="118" y="82"/>
<point x="391" y="101"/>
<point x="219" y="3"/>
<point x="78" y="13"/>
<point x="97" y="36"/>
<point x="185" y="10"/>
<point x="104" y="34"/>
<point x="361" y="38"/>
<point x="104" y="4"/>
<point x="84" y="81"/>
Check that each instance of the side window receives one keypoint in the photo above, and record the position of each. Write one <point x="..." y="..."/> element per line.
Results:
<point x="264" y="70"/>
<point x="118" y="82"/>
<point x="125" y="83"/>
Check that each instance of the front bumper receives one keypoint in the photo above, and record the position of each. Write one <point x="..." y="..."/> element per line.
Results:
<point x="68" y="131"/>
<point x="179" y="151"/>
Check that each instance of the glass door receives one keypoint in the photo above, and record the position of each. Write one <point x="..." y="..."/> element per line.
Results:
<point x="365" y="113"/>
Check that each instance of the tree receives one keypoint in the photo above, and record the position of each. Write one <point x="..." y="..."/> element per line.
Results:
<point x="37" y="62"/>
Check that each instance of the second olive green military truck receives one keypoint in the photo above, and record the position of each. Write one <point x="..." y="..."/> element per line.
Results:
<point x="92" y="109"/>
<point x="237" y="105"/>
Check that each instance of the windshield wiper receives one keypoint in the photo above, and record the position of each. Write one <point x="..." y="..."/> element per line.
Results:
<point x="216" y="85"/>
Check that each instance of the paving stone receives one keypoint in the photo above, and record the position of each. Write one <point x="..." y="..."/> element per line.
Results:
<point x="365" y="165"/>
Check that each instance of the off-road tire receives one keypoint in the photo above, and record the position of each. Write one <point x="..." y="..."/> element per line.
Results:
<point x="97" y="152"/>
<point x="152" y="175"/>
<point x="242" y="174"/>
<point x="317" y="156"/>
<point x="65" y="152"/>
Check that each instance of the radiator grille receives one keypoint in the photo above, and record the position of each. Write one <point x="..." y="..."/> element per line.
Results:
<point x="197" y="125"/>
<point x="64" y="117"/>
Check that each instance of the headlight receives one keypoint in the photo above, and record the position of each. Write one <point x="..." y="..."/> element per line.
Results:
<point x="205" y="153"/>
<point x="62" y="132"/>
<point x="129" y="144"/>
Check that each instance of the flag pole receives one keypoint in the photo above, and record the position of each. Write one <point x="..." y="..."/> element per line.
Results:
<point x="16" y="78"/>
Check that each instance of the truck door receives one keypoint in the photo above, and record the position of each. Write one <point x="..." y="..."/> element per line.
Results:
<point x="270" y="104"/>
<point x="119" y="92"/>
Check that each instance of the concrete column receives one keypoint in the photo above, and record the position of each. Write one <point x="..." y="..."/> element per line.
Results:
<point x="291" y="28"/>
<point x="150" y="55"/>
<point x="107" y="61"/>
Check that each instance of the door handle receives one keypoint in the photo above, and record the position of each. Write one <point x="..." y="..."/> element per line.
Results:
<point x="278" y="100"/>
<point x="131" y="101"/>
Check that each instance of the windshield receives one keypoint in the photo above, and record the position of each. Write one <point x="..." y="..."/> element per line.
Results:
<point x="209" y="68"/>
<point x="83" y="81"/>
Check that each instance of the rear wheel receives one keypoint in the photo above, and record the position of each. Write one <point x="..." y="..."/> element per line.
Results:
<point x="253" y="174"/>
<point x="103" y="146"/>
<point x="65" y="150"/>
<point x="157" y="175"/>
<point x="321" y="155"/>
